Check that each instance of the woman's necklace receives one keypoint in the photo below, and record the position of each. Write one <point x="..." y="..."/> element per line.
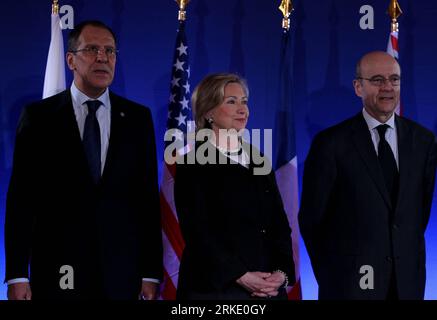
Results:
<point x="232" y="152"/>
<point x="236" y="151"/>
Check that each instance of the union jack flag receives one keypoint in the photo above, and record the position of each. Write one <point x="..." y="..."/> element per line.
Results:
<point x="393" y="43"/>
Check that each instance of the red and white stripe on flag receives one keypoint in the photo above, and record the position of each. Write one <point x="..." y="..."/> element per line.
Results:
<point x="173" y="241"/>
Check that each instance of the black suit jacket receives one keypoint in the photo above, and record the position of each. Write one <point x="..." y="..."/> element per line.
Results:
<point x="345" y="214"/>
<point x="109" y="233"/>
<point x="232" y="221"/>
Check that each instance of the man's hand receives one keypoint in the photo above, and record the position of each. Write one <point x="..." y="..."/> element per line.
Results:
<point x="149" y="291"/>
<point x="19" y="291"/>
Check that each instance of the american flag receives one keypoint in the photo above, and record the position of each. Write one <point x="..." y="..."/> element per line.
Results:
<point x="285" y="156"/>
<point x="179" y="117"/>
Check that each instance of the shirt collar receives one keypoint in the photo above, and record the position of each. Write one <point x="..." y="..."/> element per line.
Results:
<point x="79" y="98"/>
<point x="372" y="123"/>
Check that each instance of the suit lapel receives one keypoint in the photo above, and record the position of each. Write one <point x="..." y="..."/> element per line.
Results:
<point x="118" y="114"/>
<point x="69" y="134"/>
<point x="68" y="123"/>
<point x="405" y="152"/>
<point x="363" y="143"/>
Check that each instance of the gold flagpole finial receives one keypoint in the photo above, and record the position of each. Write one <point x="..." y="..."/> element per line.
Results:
<point x="182" y="15"/>
<point x="55" y="7"/>
<point x="286" y="7"/>
<point x="395" y="11"/>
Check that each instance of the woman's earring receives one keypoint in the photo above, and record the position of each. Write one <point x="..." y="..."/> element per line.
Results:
<point x="210" y="120"/>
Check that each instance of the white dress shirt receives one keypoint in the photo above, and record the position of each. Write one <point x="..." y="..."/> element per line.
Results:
<point x="390" y="135"/>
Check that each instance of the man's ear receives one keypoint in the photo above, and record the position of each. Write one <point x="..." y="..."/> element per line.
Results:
<point x="358" y="87"/>
<point x="70" y="61"/>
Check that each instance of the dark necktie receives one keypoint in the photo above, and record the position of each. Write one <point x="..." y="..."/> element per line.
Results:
<point x="91" y="140"/>
<point x="388" y="164"/>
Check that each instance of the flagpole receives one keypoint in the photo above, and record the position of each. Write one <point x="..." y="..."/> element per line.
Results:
<point x="54" y="79"/>
<point x="394" y="11"/>
<point x="55" y="7"/>
<point x="182" y="14"/>
<point x="285" y="157"/>
<point x="286" y="8"/>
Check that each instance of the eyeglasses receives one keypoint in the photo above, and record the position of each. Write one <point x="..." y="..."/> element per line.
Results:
<point x="93" y="51"/>
<point x="379" y="81"/>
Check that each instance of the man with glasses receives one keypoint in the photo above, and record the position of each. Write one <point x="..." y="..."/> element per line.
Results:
<point x="83" y="202"/>
<point x="367" y="192"/>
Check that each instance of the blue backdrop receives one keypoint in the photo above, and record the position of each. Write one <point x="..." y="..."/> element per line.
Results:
<point x="230" y="35"/>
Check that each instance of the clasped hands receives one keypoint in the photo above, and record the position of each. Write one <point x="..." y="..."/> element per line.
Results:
<point x="262" y="284"/>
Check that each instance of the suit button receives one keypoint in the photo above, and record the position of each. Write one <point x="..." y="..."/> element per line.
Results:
<point x="389" y="259"/>
<point x="267" y="190"/>
<point x="395" y="227"/>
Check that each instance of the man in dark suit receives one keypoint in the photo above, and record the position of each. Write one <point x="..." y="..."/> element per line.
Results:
<point x="367" y="194"/>
<point x="83" y="202"/>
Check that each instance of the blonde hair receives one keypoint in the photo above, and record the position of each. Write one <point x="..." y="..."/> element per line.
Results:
<point x="210" y="93"/>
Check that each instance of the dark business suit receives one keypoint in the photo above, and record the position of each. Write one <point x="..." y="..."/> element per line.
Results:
<point x="55" y="215"/>
<point x="347" y="219"/>
<point x="233" y="222"/>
